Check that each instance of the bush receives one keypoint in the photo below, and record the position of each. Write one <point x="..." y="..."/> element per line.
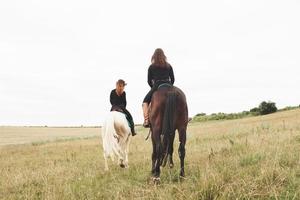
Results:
<point x="221" y="116"/>
<point x="267" y="108"/>
<point x="263" y="109"/>
<point x="254" y="110"/>
<point x="200" y="114"/>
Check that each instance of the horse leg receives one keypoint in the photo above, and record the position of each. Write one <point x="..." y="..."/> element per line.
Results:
<point x="105" y="162"/>
<point x="170" y="152"/>
<point x="156" y="159"/>
<point x="126" y="152"/>
<point x="156" y="156"/>
<point x="153" y="158"/>
<point x="122" y="154"/>
<point x="181" y="149"/>
<point x="121" y="162"/>
<point x="126" y="159"/>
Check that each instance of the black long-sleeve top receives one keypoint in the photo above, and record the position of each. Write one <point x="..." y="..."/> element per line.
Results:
<point x="156" y="73"/>
<point x="117" y="100"/>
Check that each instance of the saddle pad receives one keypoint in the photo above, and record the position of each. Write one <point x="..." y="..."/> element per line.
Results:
<point x="164" y="85"/>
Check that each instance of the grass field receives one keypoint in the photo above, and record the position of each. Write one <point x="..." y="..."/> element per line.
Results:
<point x="37" y="135"/>
<point x="251" y="158"/>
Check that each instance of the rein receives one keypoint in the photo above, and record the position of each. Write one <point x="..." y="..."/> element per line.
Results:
<point x="148" y="134"/>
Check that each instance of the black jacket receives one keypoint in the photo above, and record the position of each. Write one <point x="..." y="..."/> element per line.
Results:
<point x="119" y="101"/>
<point x="157" y="73"/>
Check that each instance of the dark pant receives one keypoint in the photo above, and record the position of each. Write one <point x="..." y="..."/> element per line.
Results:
<point x="148" y="97"/>
<point x="130" y="119"/>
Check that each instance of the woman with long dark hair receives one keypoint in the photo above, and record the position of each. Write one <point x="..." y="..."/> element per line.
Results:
<point x="159" y="72"/>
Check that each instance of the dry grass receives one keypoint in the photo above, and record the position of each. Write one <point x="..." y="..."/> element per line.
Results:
<point x="36" y="135"/>
<point x="253" y="158"/>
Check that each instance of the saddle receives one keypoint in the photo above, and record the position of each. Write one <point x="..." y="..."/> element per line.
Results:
<point x="118" y="109"/>
<point x="164" y="85"/>
<point x="160" y="86"/>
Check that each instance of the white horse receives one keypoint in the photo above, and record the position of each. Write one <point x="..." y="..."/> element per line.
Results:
<point x="116" y="138"/>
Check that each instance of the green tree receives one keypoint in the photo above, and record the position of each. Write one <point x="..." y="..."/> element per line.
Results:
<point x="267" y="108"/>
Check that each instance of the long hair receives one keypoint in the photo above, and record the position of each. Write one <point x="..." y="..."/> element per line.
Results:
<point x="159" y="58"/>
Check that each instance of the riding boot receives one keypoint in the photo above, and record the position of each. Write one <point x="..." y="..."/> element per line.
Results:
<point x="146" y="115"/>
<point x="133" y="133"/>
<point x="130" y="121"/>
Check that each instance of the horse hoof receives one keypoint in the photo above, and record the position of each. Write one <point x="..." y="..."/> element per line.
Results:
<point x="182" y="176"/>
<point x="122" y="165"/>
<point x="156" y="180"/>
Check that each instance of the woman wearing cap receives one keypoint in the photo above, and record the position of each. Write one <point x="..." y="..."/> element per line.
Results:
<point x="118" y="102"/>
<point x="159" y="72"/>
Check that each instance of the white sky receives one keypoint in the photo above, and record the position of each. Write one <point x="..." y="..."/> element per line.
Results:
<point x="60" y="59"/>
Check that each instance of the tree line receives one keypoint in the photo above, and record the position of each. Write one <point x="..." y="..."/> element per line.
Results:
<point x="264" y="108"/>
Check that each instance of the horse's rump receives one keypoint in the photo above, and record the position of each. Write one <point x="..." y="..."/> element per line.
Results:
<point x="168" y="113"/>
<point x="169" y="103"/>
<point x="115" y="137"/>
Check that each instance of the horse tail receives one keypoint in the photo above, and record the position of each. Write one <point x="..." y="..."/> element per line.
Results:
<point x="168" y="126"/>
<point x="110" y="142"/>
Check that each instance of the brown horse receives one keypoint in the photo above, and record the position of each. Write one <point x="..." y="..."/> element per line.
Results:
<point x="168" y="113"/>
